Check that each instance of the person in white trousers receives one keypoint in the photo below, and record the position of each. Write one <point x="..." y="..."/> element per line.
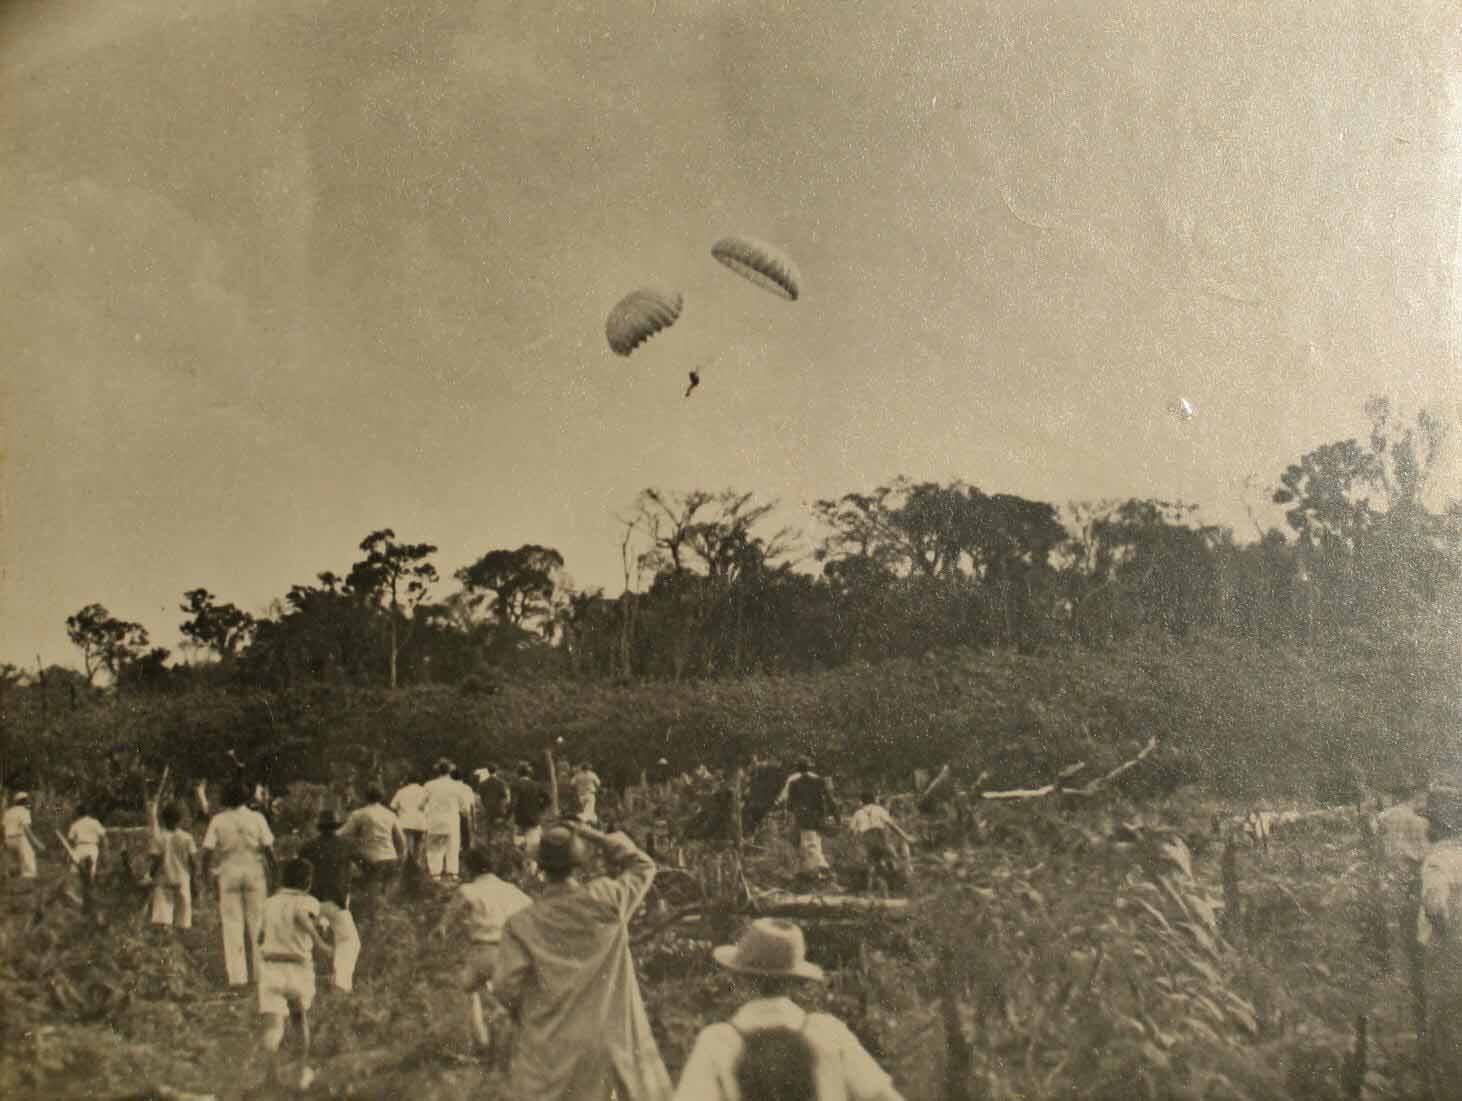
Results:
<point x="444" y="811"/>
<point x="238" y="849"/>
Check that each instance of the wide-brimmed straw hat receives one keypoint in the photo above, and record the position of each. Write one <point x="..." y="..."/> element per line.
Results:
<point x="20" y="797"/>
<point x="769" y="946"/>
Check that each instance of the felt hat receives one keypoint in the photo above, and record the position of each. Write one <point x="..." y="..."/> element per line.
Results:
<point x="769" y="946"/>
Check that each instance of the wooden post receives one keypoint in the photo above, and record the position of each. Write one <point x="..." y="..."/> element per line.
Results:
<point x="738" y="840"/>
<point x="552" y="782"/>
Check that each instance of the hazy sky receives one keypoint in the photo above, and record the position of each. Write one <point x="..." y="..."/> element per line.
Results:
<point x="277" y="273"/>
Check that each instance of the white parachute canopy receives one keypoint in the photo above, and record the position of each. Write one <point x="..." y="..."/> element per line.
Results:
<point x="765" y="265"/>
<point x="639" y="315"/>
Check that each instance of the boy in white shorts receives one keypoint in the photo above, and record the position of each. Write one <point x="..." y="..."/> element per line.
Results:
<point x="288" y="936"/>
<point x="480" y="909"/>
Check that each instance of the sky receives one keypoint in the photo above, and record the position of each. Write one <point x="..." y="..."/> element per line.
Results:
<point x="277" y="273"/>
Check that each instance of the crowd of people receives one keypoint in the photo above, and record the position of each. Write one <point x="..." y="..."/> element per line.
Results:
<point x="549" y="970"/>
<point x="550" y="966"/>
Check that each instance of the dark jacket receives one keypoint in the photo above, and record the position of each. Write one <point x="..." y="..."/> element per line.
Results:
<point x="334" y="859"/>
<point x="810" y="799"/>
<point x="529" y="803"/>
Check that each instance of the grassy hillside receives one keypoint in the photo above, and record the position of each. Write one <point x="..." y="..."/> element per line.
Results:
<point x="1239" y="718"/>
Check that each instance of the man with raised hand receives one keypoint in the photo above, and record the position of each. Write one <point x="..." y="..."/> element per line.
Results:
<point x="565" y="973"/>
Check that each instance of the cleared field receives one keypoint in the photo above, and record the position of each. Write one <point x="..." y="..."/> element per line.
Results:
<point x="1070" y="949"/>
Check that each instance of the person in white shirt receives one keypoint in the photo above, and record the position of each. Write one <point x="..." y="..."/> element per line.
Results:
<point x="586" y="787"/>
<point x="769" y="962"/>
<point x="289" y="935"/>
<point x="172" y="852"/>
<point x="20" y="841"/>
<point x="84" y="837"/>
<point x="410" y="806"/>
<point x="876" y="830"/>
<point x="445" y="808"/>
<point x="238" y="849"/>
<point x="479" y="910"/>
<point x="376" y="833"/>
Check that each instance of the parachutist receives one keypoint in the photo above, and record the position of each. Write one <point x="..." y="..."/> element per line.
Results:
<point x="695" y="380"/>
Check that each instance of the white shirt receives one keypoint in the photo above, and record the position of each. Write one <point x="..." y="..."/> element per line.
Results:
<point x="871" y="816"/>
<point x="17" y="819"/>
<point x="85" y="836"/>
<point x="444" y="804"/>
<point x="408" y="806"/>
<point x="489" y="902"/>
<point x="373" y="829"/>
<point x="283" y="935"/>
<point x="844" y="1070"/>
<point x="237" y="836"/>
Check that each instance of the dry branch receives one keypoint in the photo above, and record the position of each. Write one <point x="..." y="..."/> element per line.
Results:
<point x="1058" y="784"/>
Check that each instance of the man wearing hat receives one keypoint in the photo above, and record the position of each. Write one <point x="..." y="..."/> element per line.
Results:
<point x="529" y="802"/>
<point x="335" y="859"/>
<point x="565" y="973"/>
<point x="769" y="962"/>
<point x="810" y="799"/>
<point x="20" y="841"/>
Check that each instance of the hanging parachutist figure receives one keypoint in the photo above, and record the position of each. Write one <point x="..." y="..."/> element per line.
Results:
<point x="695" y="380"/>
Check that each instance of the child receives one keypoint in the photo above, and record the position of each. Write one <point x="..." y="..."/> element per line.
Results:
<point x="482" y="907"/>
<point x="20" y="842"/>
<point x="85" y="838"/>
<point x="288" y="936"/>
<point x="875" y="829"/>
<point x="173" y="855"/>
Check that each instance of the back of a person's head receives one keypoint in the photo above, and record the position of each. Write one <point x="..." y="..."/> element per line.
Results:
<point x="868" y="797"/>
<point x="478" y="861"/>
<point x="776" y="1064"/>
<point x="170" y="816"/>
<point x="297" y="874"/>
<point x="375" y="794"/>
<point x="237" y="794"/>
<point x="83" y="810"/>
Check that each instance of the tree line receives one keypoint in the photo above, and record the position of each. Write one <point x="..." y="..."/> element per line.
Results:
<point x="712" y="588"/>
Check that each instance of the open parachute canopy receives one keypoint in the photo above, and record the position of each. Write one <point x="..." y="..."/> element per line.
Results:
<point x="765" y="265"/>
<point x="639" y="315"/>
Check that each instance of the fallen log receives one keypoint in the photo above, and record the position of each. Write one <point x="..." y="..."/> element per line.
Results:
<point x="786" y="904"/>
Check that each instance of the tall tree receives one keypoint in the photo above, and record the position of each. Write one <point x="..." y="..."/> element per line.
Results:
<point x="522" y="583"/>
<point x="222" y="628"/>
<point x="396" y="575"/>
<point x="106" y="642"/>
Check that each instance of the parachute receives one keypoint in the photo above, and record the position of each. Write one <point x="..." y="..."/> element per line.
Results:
<point x="765" y="265"/>
<point x="639" y="315"/>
